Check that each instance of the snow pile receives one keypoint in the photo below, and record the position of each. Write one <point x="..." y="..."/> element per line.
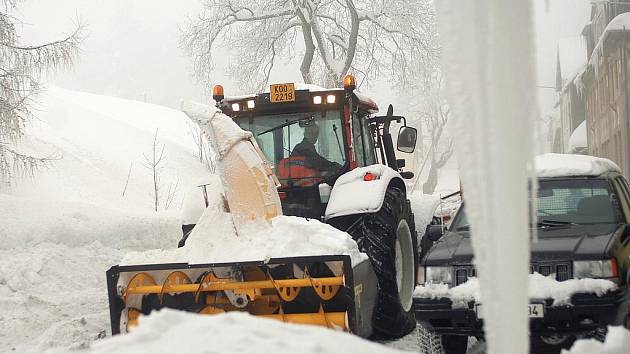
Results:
<point x="169" y="331"/>
<point x="64" y="227"/>
<point x="214" y="240"/>
<point x="562" y="165"/>
<point x="540" y="287"/>
<point x="98" y="144"/>
<point x="577" y="141"/>
<point x="617" y="342"/>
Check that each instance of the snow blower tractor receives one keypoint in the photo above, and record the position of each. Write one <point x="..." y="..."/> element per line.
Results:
<point x="315" y="153"/>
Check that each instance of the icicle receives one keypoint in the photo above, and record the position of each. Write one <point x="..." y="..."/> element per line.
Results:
<point x="487" y="57"/>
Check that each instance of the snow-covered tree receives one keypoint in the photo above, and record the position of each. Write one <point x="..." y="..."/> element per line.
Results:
<point x="432" y="114"/>
<point x="331" y="37"/>
<point x="21" y="69"/>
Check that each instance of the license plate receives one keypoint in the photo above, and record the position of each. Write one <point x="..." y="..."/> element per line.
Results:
<point x="533" y="310"/>
<point x="282" y="93"/>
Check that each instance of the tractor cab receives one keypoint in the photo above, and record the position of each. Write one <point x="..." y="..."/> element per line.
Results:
<point x="311" y="136"/>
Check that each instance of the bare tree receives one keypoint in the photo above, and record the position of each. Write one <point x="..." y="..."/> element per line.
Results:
<point x="366" y="38"/>
<point x="170" y="194"/>
<point x="21" y="68"/>
<point x="440" y="150"/>
<point x="154" y="162"/>
<point x="127" y="181"/>
<point x="434" y="114"/>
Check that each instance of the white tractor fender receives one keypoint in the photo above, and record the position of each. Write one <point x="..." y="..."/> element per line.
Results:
<point x="352" y="194"/>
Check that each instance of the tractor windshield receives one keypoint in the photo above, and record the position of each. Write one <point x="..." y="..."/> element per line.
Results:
<point x="303" y="147"/>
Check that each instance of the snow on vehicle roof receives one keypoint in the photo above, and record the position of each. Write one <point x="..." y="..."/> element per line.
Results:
<point x="566" y="165"/>
<point x="170" y="331"/>
<point x="311" y="87"/>
<point x="298" y="87"/>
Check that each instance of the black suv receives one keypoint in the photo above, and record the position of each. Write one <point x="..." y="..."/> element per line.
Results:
<point x="583" y="232"/>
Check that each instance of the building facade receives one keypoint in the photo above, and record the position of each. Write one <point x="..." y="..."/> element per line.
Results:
<point x="603" y="85"/>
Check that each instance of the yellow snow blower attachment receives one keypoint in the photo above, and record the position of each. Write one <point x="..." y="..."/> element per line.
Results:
<point x="316" y="290"/>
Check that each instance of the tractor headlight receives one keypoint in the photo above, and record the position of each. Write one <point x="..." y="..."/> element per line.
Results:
<point x="331" y="99"/>
<point x="236" y="107"/>
<point x="438" y="275"/>
<point x="317" y="99"/>
<point x="595" y="269"/>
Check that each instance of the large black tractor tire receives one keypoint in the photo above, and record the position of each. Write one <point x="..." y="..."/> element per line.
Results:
<point x="382" y="236"/>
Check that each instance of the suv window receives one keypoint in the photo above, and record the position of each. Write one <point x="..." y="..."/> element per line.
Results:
<point x="577" y="200"/>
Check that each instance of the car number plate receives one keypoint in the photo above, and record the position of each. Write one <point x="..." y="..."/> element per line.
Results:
<point x="533" y="310"/>
<point x="282" y="93"/>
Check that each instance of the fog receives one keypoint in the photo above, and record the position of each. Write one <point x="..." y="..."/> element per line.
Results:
<point x="131" y="48"/>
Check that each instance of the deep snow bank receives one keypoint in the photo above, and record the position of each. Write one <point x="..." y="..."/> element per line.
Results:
<point x="539" y="287"/>
<point x="171" y="331"/>
<point x="64" y="227"/>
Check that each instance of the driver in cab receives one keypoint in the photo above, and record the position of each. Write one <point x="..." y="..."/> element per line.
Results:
<point x="306" y="148"/>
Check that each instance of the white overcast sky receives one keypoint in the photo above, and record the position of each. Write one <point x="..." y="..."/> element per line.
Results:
<point x="131" y="49"/>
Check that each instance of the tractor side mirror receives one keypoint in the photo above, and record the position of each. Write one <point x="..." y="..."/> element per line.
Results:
<point x="435" y="232"/>
<point x="407" y="137"/>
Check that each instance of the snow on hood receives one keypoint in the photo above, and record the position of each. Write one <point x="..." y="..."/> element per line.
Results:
<point x="617" y="342"/>
<point x="170" y="331"/>
<point x="540" y="287"/>
<point x="565" y="165"/>
<point x="214" y="240"/>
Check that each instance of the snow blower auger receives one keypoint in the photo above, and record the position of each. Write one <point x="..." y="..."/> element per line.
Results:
<point x="319" y="290"/>
<point x="316" y="290"/>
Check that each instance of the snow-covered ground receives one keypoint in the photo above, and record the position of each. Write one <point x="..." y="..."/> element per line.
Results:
<point x="617" y="342"/>
<point x="171" y="331"/>
<point x="64" y="227"/>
